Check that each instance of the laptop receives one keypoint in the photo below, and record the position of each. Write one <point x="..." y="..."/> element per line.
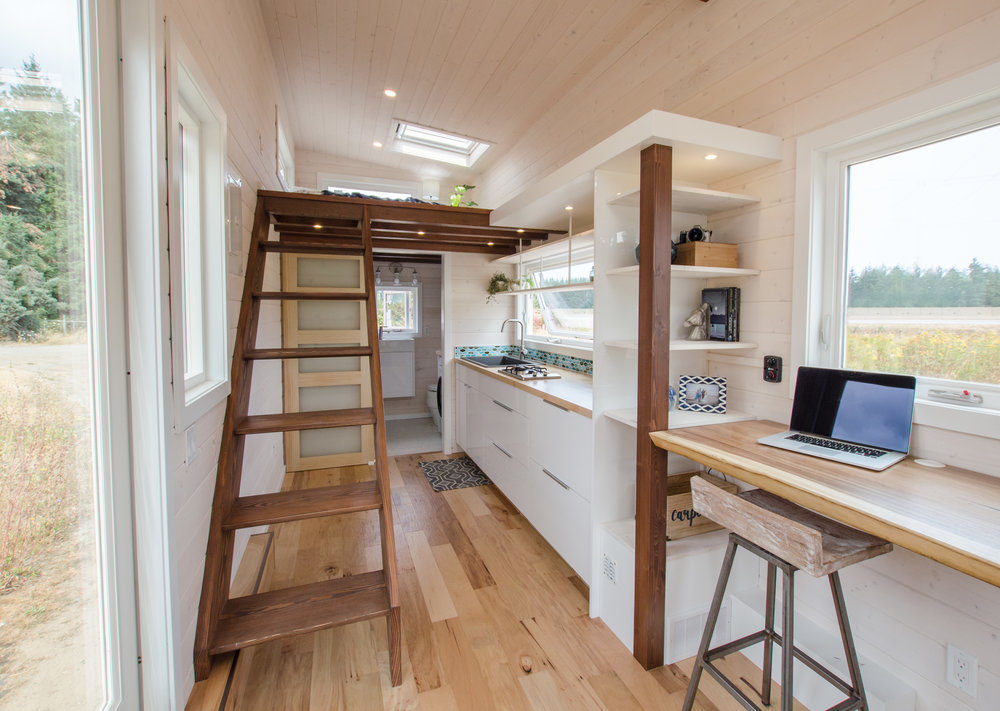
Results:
<point x="850" y="416"/>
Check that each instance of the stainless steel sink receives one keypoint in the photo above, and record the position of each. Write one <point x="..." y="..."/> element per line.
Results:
<point x="495" y="361"/>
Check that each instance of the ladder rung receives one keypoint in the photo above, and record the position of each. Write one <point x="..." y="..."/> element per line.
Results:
<point x="312" y="295"/>
<point x="310" y="248"/>
<point x="316" y="420"/>
<point x="254" y="619"/>
<point x="324" y="352"/>
<point x="284" y="506"/>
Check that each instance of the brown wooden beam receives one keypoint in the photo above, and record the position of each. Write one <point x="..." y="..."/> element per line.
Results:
<point x="426" y="243"/>
<point x="511" y="232"/>
<point x="440" y="236"/>
<point x="655" y="228"/>
<point x="407" y="258"/>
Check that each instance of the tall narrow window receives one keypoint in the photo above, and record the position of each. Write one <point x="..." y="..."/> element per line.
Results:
<point x="196" y="161"/>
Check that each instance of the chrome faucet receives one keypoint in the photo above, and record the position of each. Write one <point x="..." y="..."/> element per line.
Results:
<point x="521" y="352"/>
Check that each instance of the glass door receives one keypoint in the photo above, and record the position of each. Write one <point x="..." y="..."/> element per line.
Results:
<point x="65" y="554"/>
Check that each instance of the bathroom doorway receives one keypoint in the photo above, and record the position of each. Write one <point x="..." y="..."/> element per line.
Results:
<point x="409" y="300"/>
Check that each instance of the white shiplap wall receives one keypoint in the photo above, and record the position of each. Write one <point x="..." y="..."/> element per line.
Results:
<point x="225" y="38"/>
<point x="789" y="68"/>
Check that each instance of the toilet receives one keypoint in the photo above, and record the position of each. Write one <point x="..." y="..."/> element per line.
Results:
<point x="434" y="403"/>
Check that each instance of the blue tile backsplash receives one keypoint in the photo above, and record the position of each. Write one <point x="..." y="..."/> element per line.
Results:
<point x="580" y="365"/>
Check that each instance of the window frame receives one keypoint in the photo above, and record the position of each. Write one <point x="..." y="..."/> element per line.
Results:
<point x="403" y="333"/>
<point x="195" y="394"/>
<point x="818" y="292"/>
<point x="579" y="346"/>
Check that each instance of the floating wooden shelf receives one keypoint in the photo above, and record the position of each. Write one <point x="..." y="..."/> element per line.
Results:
<point x="683" y="271"/>
<point x="580" y="286"/>
<point x="700" y="201"/>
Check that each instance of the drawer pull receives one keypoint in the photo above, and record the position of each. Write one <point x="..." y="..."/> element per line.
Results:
<point x="560" y="407"/>
<point x="554" y="478"/>
<point x="505" y="451"/>
<point x="508" y="409"/>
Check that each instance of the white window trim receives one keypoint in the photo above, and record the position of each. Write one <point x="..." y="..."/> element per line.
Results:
<point x="565" y="345"/>
<point x="194" y="399"/>
<point x="389" y="334"/>
<point x="953" y="107"/>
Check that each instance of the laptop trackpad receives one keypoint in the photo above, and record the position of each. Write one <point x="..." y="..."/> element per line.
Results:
<point x="813" y="449"/>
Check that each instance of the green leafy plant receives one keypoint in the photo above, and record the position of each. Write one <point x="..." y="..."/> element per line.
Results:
<point x="499" y="283"/>
<point x="456" y="197"/>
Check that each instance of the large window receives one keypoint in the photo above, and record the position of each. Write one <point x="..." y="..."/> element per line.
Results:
<point x="196" y="161"/>
<point x="897" y="255"/>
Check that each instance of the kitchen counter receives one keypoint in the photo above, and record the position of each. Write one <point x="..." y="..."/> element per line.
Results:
<point x="573" y="391"/>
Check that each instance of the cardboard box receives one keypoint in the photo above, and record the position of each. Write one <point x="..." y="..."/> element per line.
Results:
<point x="707" y="254"/>
<point x="682" y="519"/>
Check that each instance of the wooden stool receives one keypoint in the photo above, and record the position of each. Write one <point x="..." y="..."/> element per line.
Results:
<point x="792" y="538"/>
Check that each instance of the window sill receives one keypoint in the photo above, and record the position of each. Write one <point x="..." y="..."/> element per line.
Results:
<point x="978" y="421"/>
<point x="198" y="401"/>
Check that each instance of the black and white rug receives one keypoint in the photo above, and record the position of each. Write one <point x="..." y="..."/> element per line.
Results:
<point x="447" y="474"/>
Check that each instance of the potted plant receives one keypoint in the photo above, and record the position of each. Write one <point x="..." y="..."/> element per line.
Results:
<point x="499" y="283"/>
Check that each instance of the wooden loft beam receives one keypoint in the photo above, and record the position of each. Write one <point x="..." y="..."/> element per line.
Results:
<point x="655" y="229"/>
<point x="509" y="232"/>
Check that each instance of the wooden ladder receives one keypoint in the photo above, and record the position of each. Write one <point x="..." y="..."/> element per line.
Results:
<point x="225" y="624"/>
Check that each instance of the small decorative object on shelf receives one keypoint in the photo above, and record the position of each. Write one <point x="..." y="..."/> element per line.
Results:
<point x="499" y="283"/>
<point x="699" y="393"/>
<point x="698" y="323"/>
<point x="456" y="197"/>
<point x="671" y="397"/>
<point x="724" y="320"/>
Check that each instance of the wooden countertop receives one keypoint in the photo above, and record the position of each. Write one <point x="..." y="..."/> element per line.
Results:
<point x="574" y="391"/>
<point x="948" y="514"/>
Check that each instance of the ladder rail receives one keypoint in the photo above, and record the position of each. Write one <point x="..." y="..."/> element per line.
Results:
<point x="215" y="589"/>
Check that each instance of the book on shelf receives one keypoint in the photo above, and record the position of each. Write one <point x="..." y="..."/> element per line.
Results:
<point x="724" y="318"/>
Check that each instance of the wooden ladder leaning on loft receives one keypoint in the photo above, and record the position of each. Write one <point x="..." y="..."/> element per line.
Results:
<point x="319" y="225"/>
<point x="225" y="624"/>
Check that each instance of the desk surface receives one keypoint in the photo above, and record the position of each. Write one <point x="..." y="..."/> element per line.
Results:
<point x="951" y="515"/>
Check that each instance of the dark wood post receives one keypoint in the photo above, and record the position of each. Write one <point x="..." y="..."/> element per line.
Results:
<point x="655" y="229"/>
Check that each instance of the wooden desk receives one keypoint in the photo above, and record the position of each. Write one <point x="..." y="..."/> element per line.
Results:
<point x="951" y="515"/>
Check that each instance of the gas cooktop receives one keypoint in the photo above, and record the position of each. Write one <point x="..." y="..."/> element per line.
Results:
<point x="529" y="372"/>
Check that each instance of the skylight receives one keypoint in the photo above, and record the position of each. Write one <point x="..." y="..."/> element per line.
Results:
<point x="416" y="140"/>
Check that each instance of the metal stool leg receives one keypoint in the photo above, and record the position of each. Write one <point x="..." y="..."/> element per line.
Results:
<point x="713" y="618"/>
<point x="853" y="666"/>
<point x="787" y="637"/>
<point x="765" y="686"/>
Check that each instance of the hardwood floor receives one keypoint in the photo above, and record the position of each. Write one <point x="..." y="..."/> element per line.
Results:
<point x="493" y="619"/>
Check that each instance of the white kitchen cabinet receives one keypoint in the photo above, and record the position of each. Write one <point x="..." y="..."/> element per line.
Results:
<point x="537" y="453"/>
<point x="563" y="445"/>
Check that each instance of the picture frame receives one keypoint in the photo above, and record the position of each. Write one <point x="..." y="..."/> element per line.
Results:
<point x="700" y="393"/>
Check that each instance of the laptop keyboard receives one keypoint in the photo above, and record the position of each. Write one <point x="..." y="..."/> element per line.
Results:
<point x="839" y="446"/>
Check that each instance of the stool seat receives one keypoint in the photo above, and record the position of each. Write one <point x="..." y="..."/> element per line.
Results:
<point x="809" y="541"/>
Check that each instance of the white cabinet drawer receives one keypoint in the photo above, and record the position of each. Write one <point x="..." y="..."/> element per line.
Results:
<point x="506" y="427"/>
<point x="502" y="392"/>
<point x="562" y="442"/>
<point x="562" y="516"/>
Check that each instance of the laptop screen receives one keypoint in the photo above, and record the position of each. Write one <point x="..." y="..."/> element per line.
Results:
<point x="874" y="409"/>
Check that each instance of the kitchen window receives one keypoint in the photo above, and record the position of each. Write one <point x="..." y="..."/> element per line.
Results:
<point x="563" y="315"/>
<point x="898" y="265"/>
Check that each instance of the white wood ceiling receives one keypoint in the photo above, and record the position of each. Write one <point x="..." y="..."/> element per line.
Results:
<point x="488" y="69"/>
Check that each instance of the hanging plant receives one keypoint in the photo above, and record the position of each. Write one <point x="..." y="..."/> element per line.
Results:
<point x="456" y="197"/>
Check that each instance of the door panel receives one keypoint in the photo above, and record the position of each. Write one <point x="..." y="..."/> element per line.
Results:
<point x="325" y="383"/>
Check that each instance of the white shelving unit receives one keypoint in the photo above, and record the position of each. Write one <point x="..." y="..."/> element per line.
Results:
<point x="605" y="179"/>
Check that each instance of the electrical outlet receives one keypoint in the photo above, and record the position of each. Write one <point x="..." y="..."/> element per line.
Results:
<point x="962" y="670"/>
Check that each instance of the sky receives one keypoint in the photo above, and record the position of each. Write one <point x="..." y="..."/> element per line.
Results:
<point x="49" y="29"/>
<point x="931" y="206"/>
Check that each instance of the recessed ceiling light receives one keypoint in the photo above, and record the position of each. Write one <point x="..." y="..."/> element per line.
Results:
<point x="391" y="93"/>
<point x="377" y="144"/>
<point x="421" y="232"/>
<point x="520" y="232"/>
<point x="568" y="208"/>
<point x="711" y="156"/>
<point x="318" y="227"/>
<point x="490" y="244"/>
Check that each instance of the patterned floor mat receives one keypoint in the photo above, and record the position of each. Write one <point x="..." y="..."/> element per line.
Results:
<point x="447" y="474"/>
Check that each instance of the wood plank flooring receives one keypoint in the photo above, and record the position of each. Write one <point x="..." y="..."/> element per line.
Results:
<point x="493" y="618"/>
